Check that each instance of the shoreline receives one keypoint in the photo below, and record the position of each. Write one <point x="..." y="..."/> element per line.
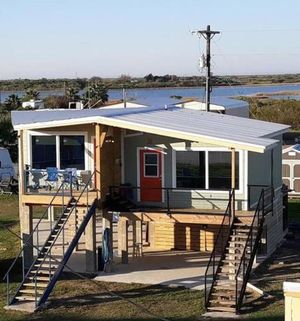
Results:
<point x="167" y="88"/>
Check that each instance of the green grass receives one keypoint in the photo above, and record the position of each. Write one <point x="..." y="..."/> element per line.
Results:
<point x="75" y="300"/>
<point x="294" y="211"/>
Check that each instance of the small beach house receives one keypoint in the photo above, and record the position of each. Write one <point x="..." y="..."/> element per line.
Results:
<point x="175" y="178"/>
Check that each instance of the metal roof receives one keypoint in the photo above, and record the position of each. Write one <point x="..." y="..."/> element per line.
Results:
<point x="213" y="128"/>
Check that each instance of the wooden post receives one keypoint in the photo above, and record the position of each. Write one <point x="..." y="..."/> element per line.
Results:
<point x="97" y="158"/>
<point x="233" y="167"/>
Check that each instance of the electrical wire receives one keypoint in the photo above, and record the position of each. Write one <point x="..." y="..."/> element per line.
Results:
<point x="81" y="276"/>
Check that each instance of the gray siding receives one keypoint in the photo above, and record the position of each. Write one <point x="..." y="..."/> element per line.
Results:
<point x="178" y="199"/>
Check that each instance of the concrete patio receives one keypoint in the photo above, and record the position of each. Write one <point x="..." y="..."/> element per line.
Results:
<point x="171" y="268"/>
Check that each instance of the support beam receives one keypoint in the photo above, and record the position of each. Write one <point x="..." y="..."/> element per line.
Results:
<point x="26" y="228"/>
<point x="90" y="245"/>
<point x="97" y="158"/>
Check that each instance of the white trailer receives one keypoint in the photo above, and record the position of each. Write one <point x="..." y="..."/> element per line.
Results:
<point x="6" y="165"/>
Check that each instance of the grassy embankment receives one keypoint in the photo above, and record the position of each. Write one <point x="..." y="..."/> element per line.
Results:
<point x="76" y="300"/>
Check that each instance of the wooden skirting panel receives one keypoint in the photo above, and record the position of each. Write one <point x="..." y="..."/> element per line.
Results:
<point x="183" y="236"/>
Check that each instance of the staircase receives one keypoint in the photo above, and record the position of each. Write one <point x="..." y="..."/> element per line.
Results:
<point x="229" y="269"/>
<point x="39" y="280"/>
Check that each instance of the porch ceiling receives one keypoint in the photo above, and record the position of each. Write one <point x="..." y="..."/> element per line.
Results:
<point x="217" y="129"/>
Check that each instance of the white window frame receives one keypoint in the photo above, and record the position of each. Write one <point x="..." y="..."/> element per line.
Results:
<point x="87" y="146"/>
<point x="157" y="165"/>
<point x="242" y="169"/>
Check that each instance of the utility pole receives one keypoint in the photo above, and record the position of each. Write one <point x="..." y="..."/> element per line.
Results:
<point x="124" y="97"/>
<point x="207" y="35"/>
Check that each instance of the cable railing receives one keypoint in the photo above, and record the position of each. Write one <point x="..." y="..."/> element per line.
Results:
<point x="36" y="230"/>
<point x="167" y="199"/>
<point x="219" y="247"/>
<point x="48" y="253"/>
<point x="264" y="206"/>
<point x="55" y="229"/>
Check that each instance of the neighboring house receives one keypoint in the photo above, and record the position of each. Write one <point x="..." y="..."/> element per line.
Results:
<point x="178" y="178"/>
<point x="222" y="105"/>
<point x="33" y="104"/>
<point x="291" y="168"/>
<point x="121" y="104"/>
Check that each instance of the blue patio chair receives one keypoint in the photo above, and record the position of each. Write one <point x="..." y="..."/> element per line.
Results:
<point x="52" y="177"/>
<point x="70" y="177"/>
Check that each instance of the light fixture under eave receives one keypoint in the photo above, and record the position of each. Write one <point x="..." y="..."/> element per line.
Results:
<point x="110" y="136"/>
<point x="109" y="139"/>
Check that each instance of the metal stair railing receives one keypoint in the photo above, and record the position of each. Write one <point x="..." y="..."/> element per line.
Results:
<point x="66" y="257"/>
<point x="48" y="253"/>
<point x="219" y="248"/>
<point x="36" y="230"/>
<point x="264" y="207"/>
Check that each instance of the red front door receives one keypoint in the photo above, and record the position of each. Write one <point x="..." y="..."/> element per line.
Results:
<point x="150" y="176"/>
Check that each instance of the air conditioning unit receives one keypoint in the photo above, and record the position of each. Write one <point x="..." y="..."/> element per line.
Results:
<point x="75" y="105"/>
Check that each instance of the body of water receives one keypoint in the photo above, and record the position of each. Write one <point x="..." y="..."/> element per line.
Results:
<point x="155" y="96"/>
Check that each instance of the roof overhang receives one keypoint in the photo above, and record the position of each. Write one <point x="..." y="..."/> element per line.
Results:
<point x="261" y="146"/>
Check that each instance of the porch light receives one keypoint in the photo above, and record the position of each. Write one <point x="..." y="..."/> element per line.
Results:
<point x="110" y="136"/>
<point x="109" y="139"/>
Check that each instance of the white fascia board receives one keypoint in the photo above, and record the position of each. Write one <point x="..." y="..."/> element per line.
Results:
<point x="278" y="132"/>
<point x="153" y="130"/>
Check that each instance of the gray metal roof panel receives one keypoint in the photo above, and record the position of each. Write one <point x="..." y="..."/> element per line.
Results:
<point x="194" y="122"/>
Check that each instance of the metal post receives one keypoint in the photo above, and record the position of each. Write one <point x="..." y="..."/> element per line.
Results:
<point x="168" y="202"/>
<point x="233" y="167"/>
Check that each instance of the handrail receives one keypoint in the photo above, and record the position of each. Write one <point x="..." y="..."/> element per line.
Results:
<point x="63" y="225"/>
<point x="34" y="230"/>
<point x="253" y="243"/>
<point x="52" y="230"/>
<point x="228" y="214"/>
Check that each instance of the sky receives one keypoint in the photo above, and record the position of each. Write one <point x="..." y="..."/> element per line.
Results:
<point x="107" y="38"/>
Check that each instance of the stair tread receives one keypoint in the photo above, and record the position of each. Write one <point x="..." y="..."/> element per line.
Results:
<point x="40" y="278"/>
<point x="221" y="309"/>
<point x="31" y="291"/>
<point x="223" y="302"/>
<point x="25" y="298"/>
<point x="38" y="284"/>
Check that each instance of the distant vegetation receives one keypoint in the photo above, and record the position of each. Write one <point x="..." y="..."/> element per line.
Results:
<point x="149" y="81"/>
<point x="277" y="111"/>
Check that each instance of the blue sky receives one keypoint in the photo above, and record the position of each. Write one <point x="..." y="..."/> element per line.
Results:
<point x="72" y="38"/>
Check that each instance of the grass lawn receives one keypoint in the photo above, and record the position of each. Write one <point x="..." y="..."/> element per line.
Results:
<point x="294" y="211"/>
<point x="76" y="300"/>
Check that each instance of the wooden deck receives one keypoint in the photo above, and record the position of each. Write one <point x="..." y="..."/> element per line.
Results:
<point x="45" y="199"/>
<point x="186" y="216"/>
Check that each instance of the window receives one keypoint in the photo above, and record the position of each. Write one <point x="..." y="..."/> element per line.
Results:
<point x="72" y="152"/>
<point x="190" y="169"/>
<point x="151" y="165"/>
<point x="70" y="149"/>
<point x="219" y="172"/>
<point x="43" y="151"/>
<point x="193" y="171"/>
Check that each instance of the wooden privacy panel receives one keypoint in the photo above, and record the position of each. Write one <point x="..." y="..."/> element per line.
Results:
<point x="180" y="236"/>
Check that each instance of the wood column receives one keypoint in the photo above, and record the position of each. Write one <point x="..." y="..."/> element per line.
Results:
<point x="97" y="159"/>
<point x="90" y="245"/>
<point x="26" y="228"/>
